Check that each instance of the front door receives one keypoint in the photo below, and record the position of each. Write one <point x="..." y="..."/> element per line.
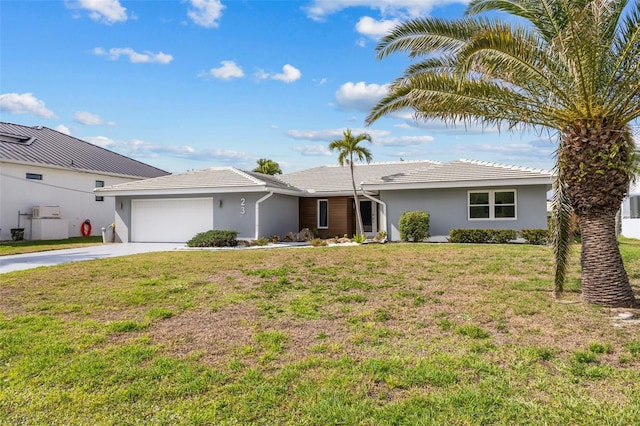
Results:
<point x="368" y="210"/>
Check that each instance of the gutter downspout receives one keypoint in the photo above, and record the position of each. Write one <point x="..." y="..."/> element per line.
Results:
<point x="258" y="214"/>
<point x="383" y="212"/>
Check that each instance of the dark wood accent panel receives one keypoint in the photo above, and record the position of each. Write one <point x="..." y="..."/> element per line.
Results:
<point x="341" y="216"/>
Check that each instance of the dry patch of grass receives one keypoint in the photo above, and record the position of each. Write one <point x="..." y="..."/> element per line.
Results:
<point x="379" y="334"/>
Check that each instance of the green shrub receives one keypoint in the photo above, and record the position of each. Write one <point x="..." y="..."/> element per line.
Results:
<point x="214" y="238"/>
<point x="262" y="241"/>
<point x="414" y="226"/>
<point x="359" y="238"/>
<point x="482" y="236"/>
<point x="317" y="242"/>
<point x="535" y="236"/>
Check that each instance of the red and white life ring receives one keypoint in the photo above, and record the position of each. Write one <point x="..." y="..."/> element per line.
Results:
<point x="85" y="228"/>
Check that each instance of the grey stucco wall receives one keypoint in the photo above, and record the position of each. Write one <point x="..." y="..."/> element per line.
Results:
<point x="227" y="213"/>
<point x="448" y="209"/>
<point x="123" y="219"/>
<point x="278" y="215"/>
<point x="236" y="212"/>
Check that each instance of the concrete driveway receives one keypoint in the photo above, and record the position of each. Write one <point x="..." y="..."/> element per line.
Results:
<point x="18" y="262"/>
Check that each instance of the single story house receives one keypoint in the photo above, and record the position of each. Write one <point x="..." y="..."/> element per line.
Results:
<point x="457" y="194"/>
<point x="47" y="180"/>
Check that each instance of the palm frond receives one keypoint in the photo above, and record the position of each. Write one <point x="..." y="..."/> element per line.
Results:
<point x="561" y="235"/>
<point x="423" y="36"/>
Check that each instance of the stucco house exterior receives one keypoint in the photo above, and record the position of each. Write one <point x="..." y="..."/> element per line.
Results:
<point x="457" y="194"/>
<point x="47" y="180"/>
<point x="630" y="212"/>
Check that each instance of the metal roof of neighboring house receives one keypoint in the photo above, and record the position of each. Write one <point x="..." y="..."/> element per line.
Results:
<point x="336" y="178"/>
<point x="214" y="179"/>
<point x="461" y="173"/>
<point x="47" y="147"/>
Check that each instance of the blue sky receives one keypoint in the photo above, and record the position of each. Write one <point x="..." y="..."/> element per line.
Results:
<point x="193" y="84"/>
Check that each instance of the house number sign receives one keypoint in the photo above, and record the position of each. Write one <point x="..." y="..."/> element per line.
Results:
<point x="243" y="203"/>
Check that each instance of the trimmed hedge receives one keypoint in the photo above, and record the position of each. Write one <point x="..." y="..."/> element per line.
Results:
<point x="414" y="226"/>
<point x="535" y="236"/>
<point x="214" y="238"/>
<point x="482" y="236"/>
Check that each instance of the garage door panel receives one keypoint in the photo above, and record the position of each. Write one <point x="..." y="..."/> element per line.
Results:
<point x="170" y="220"/>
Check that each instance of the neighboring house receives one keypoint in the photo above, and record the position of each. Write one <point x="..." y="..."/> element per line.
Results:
<point x="47" y="180"/>
<point x="630" y="212"/>
<point x="457" y="194"/>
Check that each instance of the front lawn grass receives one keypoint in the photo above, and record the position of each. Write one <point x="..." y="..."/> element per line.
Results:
<point x="395" y="334"/>
<point x="26" y="246"/>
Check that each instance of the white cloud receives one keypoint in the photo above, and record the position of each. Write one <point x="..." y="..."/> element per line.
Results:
<point x="317" y="150"/>
<point x="375" y="29"/>
<point x="228" y="70"/>
<point x="328" y="135"/>
<point x="319" y="9"/>
<point x="360" y="96"/>
<point x="289" y="74"/>
<point x="62" y="129"/>
<point x="136" y="148"/>
<point x="261" y="74"/>
<point x="134" y="57"/>
<point x="107" y="11"/>
<point x="403" y="140"/>
<point x="205" y="13"/>
<point x="25" y="103"/>
<point x="89" y="119"/>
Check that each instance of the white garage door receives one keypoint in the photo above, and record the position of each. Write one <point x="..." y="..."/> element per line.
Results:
<point x="170" y="220"/>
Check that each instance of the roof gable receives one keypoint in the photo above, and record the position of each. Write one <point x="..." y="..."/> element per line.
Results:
<point x="214" y="179"/>
<point x="48" y="147"/>
<point x="336" y="178"/>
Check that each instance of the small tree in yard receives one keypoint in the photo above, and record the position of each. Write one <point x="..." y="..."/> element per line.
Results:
<point x="414" y="226"/>
<point x="347" y="148"/>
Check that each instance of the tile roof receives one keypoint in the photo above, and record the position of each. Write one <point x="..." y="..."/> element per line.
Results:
<point x="214" y="178"/>
<point x="461" y="171"/>
<point x="336" y="178"/>
<point x="48" y="147"/>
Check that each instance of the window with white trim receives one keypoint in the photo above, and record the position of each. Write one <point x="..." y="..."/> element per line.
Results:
<point x="99" y="184"/>
<point x="492" y="205"/>
<point x="323" y="214"/>
<point x="634" y="206"/>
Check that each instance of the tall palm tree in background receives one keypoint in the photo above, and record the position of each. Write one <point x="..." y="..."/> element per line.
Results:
<point x="267" y="167"/>
<point x="568" y="65"/>
<point x="347" y="148"/>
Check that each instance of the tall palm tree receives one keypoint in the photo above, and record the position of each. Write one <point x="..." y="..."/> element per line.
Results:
<point x="267" y="167"/>
<point x="567" y="65"/>
<point x="347" y="148"/>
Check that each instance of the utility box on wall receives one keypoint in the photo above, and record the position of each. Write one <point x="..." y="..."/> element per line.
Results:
<point x="46" y="224"/>
<point x="45" y="212"/>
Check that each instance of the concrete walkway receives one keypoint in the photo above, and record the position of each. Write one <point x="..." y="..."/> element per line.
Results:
<point x="18" y="262"/>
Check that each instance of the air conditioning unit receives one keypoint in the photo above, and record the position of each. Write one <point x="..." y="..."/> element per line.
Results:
<point x="45" y="212"/>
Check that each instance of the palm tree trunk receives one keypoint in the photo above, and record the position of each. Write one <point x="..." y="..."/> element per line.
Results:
<point x="604" y="279"/>
<point x="360" y="229"/>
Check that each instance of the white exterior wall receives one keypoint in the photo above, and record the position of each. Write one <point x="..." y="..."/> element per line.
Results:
<point x="71" y="190"/>
<point x="630" y="226"/>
